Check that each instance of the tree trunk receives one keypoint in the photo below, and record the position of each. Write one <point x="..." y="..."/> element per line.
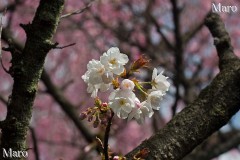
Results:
<point x="26" y="71"/>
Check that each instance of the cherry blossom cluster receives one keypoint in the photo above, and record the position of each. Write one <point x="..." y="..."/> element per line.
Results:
<point x="109" y="73"/>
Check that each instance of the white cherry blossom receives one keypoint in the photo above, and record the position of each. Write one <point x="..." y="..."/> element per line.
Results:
<point x="94" y="72"/>
<point x="160" y="82"/>
<point x="141" y="111"/>
<point x="127" y="85"/>
<point x="114" y="61"/>
<point x="92" y="89"/>
<point x="107" y="77"/>
<point x="122" y="102"/>
<point x="154" y="98"/>
<point x="97" y="78"/>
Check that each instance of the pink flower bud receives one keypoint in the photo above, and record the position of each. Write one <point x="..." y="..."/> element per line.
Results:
<point x="116" y="158"/>
<point x="127" y="85"/>
<point x="104" y="104"/>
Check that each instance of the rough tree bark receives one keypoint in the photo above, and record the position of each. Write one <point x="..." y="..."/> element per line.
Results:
<point x="55" y="92"/>
<point x="26" y="71"/>
<point x="213" y="108"/>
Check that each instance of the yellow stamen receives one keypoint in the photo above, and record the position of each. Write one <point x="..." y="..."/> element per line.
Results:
<point x="113" y="61"/>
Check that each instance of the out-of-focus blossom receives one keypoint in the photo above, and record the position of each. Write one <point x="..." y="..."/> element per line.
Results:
<point x="114" y="61"/>
<point x="116" y="158"/>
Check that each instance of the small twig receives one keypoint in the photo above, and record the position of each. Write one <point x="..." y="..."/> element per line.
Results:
<point x="35" y="144"/>
<point x="106" y="136"/>
<point x="67" y="84"/>
<point x="11" y="7"/>
<point x="174" y="106"/>
<point x="69" y="45"/>
<point x="3" y="100"/>
<point x="77" y="11"/>
<point x="158" y="28"/>
<point x="4" y="68"/>
<point x="2" y="123"/>
<point x="99" y="142"/>
<point x="1" y="26"/>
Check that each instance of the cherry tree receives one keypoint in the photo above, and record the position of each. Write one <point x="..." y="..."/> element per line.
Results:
<point x="43" y="76"/>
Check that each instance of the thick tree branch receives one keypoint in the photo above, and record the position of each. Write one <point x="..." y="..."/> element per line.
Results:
<point x="222" y="40"/>
<point x="26" y="70"/>
<point x="213" y="108"/>
<point x="56" y="93"/>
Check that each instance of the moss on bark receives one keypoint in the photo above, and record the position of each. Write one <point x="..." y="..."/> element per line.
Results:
<point x="26" y="71"/>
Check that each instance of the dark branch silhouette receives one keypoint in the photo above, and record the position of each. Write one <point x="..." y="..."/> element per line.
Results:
<point x="213" y="108"/>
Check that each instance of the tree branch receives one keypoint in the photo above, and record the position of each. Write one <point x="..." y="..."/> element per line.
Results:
<point x="35" y="143"/>
<point x="3" y="100"/>
<point x="158" y="28"/>
<point x="56" y="93"/>
<point x="26" y="71"/>
<point x="221" y="38"/>
<point x="12" y="6"/>
<point x="66" y="106"/>
<point x="106" y="136"/>
<point x="221" y="147"/>
<point x="213" y="108"/>
<point x="77" y="11"/>
<point x="178" y="53"/>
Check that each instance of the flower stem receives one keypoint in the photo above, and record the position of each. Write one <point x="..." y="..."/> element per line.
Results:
<point x="145" y="82"/>
<point x="139" y="87"/>
<point x="106" y="136"/>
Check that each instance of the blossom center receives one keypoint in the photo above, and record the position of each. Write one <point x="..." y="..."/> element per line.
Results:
<point x="122" y="102"/>
<point x="127" y="85"/>
<point x="113" y="61"/>
<point x="101" y="70"/>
